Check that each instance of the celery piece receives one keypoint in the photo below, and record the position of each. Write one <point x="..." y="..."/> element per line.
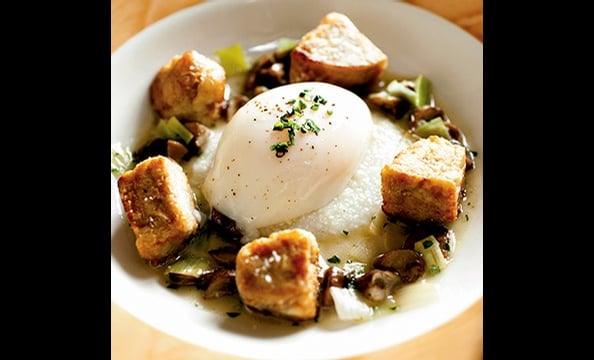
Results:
<point x="180" y="130"/>
<point x="429" y="248"/>
<point x="164" y="131"/>
<point x="434" y="126"/>
<point x="173" y="129"/>
<point x="233" y="59"/>
<point x="423" y="90"/>
<point x="396" y="88"/>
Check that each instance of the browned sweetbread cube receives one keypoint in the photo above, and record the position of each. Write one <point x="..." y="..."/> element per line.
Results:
<point x="190" y="86"/>
<point x="159" y="205"/>
<point x="337" y="52"/>
<point x="278" y="275"/>
<point x="424" y="181"/>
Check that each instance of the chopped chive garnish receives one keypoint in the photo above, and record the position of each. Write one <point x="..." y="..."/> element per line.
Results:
<point x="289" y="119"/>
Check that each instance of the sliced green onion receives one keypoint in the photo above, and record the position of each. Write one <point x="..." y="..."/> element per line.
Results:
<point x="397" y="88"/>
<point x="173" y="129"/>
<point x="423" y="90"/>
<point x="434" y="126"/>
<point x="165" y="131"/>
<point x="188" y="271"/>
<point x="432" y="254"/>
<point x="233" y="59"/>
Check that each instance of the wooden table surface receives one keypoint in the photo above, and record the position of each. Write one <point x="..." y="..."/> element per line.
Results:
<point x="131" y="339"/>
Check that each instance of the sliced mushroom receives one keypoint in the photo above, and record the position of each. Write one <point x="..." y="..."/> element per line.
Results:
<point x="201" y="134"/>
<point x="425" y="113"/>
<point x="190" y="271"/>
<point x="222" y="283"/>
<point x="226" y="226"/>
<point x="376" y="285"/>
<point x="224" y="256"/>
<point x="176" y="150"/>
<point x="333" y="276"/>
<point x="269" y="72"/>
<point x="394" y="105"/>
<point x="157" y="146"/>
<point x="407" y="263"/>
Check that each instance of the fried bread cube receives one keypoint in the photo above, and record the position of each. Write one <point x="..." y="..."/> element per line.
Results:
<point x="160" y="206"/>
<point x="337" y="52"/>
<point x="278" y="275"/>
<point x="424" y="181"/>
<point x="190" y="86"/>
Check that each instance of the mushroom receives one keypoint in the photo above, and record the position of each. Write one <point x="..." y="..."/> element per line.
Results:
<point x="425" y="113"/>
<point x="222" y="283"/>
<point x="391" y="104"/>
<point x="226" y="226"/>
<point x="407" y="263"/>
<point x="333" y="276"/>
<point x="224" y="256"/>
<point x="376" y="285"/>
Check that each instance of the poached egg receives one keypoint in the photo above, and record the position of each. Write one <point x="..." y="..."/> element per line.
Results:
<point x="286" y="152"/>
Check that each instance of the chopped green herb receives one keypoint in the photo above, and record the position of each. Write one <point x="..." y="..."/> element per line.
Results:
<point x="233" y="314"/>
<point x="319" y="99"/>
<point x="289" y="119"/>
<point x="434" y="269"/>
<point x="302" y="104"/>
<point x="310" y="125"/>
<point x="346" y="232"/>
<point x="281" y="148"/>
<point x="334" y="260"/>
